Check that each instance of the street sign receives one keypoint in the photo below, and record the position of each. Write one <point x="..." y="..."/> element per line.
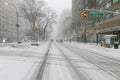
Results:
<point x="96" y="14"/>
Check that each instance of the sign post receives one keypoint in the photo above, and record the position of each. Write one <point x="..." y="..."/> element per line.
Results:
<point x="96" y="14"/>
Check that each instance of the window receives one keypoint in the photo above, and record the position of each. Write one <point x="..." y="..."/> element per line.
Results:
<point x="108" y="16"/>
<point x="115" y="1"/>
<point x="102" y="8"/>
<point x="101" y="1"/>
<point x="117" y="10"/>
<point x="108" y="5"/>
<point x="86" y="2"/>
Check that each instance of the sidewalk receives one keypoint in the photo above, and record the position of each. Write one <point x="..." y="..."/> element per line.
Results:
<point x="4" y="44"/>
<point x="109" y="52"/>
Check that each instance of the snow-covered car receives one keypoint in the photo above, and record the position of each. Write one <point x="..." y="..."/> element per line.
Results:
<point x="34" y="43"/>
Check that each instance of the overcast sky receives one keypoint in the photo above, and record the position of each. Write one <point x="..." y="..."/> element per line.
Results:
<point x="59" y="5"/>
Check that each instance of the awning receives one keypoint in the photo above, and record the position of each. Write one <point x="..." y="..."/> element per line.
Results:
<point x="114" y="29"/>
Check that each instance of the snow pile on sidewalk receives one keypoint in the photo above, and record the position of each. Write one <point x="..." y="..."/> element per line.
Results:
<point x="23" y="45"/>
<point x="109" y="52"/>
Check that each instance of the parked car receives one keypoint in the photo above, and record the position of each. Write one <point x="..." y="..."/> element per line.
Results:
<point x="34" y="43"/>
<point x="61" y="41"/>
<point x="19" y="42"/>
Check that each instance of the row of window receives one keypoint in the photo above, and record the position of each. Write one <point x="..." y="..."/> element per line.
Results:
<point x="109" y="4"/>
<point x="112" y="1"/>
<point x="108" y="16"/>
<point x="5" y="19"/>
<point x="100" y="1"/>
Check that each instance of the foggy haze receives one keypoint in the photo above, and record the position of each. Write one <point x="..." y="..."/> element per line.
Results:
<point x="59" y="6"/>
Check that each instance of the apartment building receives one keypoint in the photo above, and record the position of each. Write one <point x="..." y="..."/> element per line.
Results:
<point x="109" y="23"/>
<point x="8" y="20"/>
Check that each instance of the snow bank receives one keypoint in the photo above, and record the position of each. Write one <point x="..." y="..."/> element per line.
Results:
<point x="109" y="52"/>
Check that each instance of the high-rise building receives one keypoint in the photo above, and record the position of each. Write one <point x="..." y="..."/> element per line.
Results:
<point x="8" y="20"/>
<point x="64" y="24"/>
<point x="109" y="23"/>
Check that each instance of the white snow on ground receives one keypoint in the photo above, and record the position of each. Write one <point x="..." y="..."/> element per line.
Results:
<point x="57" y="68"/>
<point x="13" y="70"/>
<point x="90" y="71"/>
<point x="20" y="63"/>
<point x="109" y="52"/>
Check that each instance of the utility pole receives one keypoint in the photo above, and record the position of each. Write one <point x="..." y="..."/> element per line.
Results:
<point x="17" y="26"/>
<point x="83" y="16"/>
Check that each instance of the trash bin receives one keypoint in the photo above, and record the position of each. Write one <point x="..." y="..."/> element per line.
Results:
<point x="102" y="43"/>
<point x="115" y="45"/>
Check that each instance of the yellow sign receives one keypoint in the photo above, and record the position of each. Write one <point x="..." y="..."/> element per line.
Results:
<point x="37" y="27"/>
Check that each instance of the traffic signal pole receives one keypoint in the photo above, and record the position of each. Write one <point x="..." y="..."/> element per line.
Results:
<point x="83" y="16"/>
<point x="17" y="26"/>
<point x="85" y="39"/>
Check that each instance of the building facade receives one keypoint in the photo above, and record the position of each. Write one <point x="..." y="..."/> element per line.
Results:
<point x="109" y="23"/>
<point x="8" y="20"/>
<point x="64" y="24"/>
<point x="67" y="28"/>
<point x="93" y="27"/>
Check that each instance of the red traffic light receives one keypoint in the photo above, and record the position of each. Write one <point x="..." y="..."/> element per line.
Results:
<point x="83" y="15"/>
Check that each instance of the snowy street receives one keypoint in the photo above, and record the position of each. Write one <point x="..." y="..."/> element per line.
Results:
<point x="59" y="61"/>
<point x="59" y="39"/>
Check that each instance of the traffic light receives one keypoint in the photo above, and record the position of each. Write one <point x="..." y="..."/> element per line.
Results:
<point x="83" y="15"/>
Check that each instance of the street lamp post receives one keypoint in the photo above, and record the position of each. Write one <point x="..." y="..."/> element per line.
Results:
<point x="17" y="24"/>
<point x="97" y="35"/>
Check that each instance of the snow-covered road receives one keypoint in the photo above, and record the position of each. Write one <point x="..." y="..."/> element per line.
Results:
<point x="64" y="61"/>
<point x="79" y="64"/>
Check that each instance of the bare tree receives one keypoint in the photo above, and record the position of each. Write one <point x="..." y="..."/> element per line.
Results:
<point x="50" y="19"/>
<point x="33" y="10"/>
<point x="36" y="12"/>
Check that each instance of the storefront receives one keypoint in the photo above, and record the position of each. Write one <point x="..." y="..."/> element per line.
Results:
<point x="110" y="32"/>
